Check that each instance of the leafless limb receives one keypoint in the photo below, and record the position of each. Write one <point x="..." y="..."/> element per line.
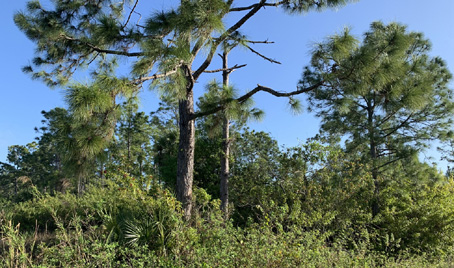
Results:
<point x="94" y="58"/>
<point x="226" y="69"/>
<point x="130" y="14"/>
<point x="263" y="56"/>
<point x="259" y="42"/>
<point x="248" y="95"/>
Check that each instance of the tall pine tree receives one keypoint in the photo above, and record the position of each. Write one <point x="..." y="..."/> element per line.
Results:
<point x="386" y="94"/>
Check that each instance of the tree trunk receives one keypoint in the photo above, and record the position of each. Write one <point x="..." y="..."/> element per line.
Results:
<point x="80" y="187"/>
<point x="373" y="156"/>
<point x="185" y="160"/>
<point x="140" y="168"/>
<point x="102" y="170"/>
<point x="15" y="186"/>
<point x="225" y="169"/>
<point x="128" y="144"/>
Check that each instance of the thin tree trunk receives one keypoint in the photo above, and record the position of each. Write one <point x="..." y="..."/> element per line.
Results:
<point x="15" y="186"/>
<point x="140" y="168"/>
<point x="225" y="169"/>
<point x="79" y="185"/>
<point x="128" y="143"/>
<point x="102" y="170"/>
<point x="373" y="156"/>
<point x="185" y="160"/>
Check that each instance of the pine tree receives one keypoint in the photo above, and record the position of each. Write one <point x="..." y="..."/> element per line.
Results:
<point x="386" y="94"/>
<point x="222" y="120"/>
<point x="38" y="162"/>
<point x="76" y="33"/>
<point x="134" y="137"/>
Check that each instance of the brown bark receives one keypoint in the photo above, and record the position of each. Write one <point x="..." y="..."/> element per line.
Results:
<point x="185" y="160"/>
<point x="225" y="169"/>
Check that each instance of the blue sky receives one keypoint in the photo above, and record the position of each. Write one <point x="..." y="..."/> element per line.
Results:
<point x="22" y="99"/>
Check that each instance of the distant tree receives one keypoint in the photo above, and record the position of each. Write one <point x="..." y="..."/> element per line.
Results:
<point x="164" y="138"/>
<point x="255" y="171"/>
<point x="7" y="180"/>
<point x="90" y="125"/>
<point x="20" y="167"/>
<point x="134" y="138"/>
<point x="38" y="162"/>
<point x="386" y="94"/>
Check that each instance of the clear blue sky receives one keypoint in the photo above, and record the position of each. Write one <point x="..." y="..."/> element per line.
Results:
<point x="22" y="99"/>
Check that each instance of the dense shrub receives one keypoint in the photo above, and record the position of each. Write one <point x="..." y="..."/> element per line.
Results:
<point x="315" y="211"/>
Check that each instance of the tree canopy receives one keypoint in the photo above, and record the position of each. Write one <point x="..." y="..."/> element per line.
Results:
<point x="386" y="92"/>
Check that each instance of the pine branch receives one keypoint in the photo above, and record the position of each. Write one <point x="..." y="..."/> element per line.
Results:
<point x="259" y="42"/>
<point x="105" y="51"/>
<point x="198" y="45"/>
<point x="263" y="56"/>
<point x="130" y="14"/>
<point x="236" y="9"/>
<point x="394" y="129"/>
<point x="93" y="59"/>
<point x="248" y="95"/>
<point x="155" y="76"/>
<point x="388" y="163"/>
<point x="226" y="69"/>
<point x="224" y="36"/>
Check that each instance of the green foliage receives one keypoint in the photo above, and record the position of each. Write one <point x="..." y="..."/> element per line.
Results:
<point x="417" y="212"/>
<point x="207" y="161"/>
<point x="388" y="86"/>
<point x="235" y="111"/>
<point x="306" y="206"/>
<point x="302" y="6"/>
<point x="37" y="163"/>
<point x="386" y="96"/>
<point x="164" y="122"/>
<point x="132" y="149"/>
<point x="85" y="239"/>
<point x="254" y="171"/>
<point x="17" y="255"/>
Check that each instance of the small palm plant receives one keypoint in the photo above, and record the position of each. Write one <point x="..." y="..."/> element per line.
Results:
<point x="156" y="230"/>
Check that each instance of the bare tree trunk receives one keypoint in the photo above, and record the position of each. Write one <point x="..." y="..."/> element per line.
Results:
<point x="185" y="160"/>
<point x="225" y="169"/>
<point x="128" y="143"/>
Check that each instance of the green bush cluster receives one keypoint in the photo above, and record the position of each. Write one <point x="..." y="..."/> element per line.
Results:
<point x="113" y="226"/>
